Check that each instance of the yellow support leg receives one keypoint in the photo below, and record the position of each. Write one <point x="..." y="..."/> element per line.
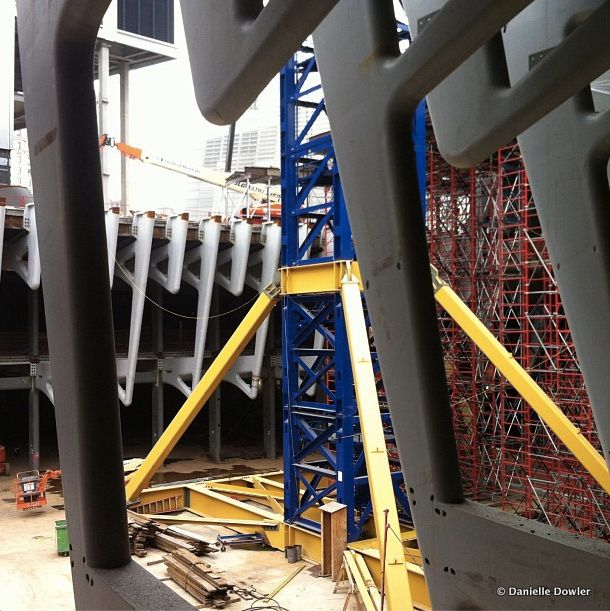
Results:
<point x="556" y="420"/>
<point x="203" y="391"/>
<point x="375" y="452"/>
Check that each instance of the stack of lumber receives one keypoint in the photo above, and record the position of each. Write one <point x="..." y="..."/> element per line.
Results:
<point x="140" y="536"/>
<point x="145" y="532"/>
<point x="199" y="579"/>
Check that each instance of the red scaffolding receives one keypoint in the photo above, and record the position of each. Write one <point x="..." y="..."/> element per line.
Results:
<point x="485" y="238"/>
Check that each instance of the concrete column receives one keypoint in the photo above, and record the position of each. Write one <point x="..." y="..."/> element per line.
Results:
<point x="103" y="73"/>
<point x="214" y="404"/>
<point x="34" y="396"/>
<point x="124" y="71"/>
<point x="157" y="346"/>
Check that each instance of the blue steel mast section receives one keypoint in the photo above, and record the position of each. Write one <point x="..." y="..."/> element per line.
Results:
<point x="322" y="447"/>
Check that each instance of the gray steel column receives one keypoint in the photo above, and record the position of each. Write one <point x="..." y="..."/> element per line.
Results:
<point x="34" y="396"/>
<point x="7" y="61"/>
<point x="157" y="346"/>
<point x="230" y="145"/>
<point x="215" y="402"/>
<point x="125" y="163"/>
<point x="103" y="74"/>
<point x="214" y="406"/>
<point x="269" y="423"/>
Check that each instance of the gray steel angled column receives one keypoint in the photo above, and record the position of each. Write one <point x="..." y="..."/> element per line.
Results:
<point x="56" y="48"/>
<point x="60" y="106"/>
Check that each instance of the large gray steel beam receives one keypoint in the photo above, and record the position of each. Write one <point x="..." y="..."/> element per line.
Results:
<point x="56" y="47"/>
<point x="480" y="107"/>
<point x="236" y="47"/>
<point x="370" y="92"/>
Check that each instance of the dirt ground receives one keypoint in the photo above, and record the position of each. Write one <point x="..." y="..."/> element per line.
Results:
<point x="33" y="576"/>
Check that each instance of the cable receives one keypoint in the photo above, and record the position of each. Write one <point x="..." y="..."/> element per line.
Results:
<point x="137" y="288"/>
<point x="274" y="607"/>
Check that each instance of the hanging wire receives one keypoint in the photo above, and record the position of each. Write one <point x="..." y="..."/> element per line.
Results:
<point x="127" y="277"/>
<point x="261" y="604"/>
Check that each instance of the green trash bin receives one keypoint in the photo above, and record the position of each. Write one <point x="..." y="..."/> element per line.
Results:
<point x="61" y="538"/>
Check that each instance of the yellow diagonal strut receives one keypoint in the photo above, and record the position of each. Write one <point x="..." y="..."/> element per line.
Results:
<point x="557" y="421"/>
<point x="375" y="452"/>
<point x="204" y="389"/>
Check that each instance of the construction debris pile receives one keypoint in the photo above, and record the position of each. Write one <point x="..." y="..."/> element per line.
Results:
<point x="144" y="532"/>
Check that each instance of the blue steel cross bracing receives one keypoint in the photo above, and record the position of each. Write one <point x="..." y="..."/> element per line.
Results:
<point x="323" y="453"/>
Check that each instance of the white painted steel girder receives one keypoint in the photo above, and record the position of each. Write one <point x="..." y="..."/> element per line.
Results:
<point x="207" y="253"/>
<point x="25" y="246"/>
<point x="176" y="230"/>
<point x="139" y="250"/>
<point x="112" y="233"/>
<point x="201" y="267"/>
<point x="237" y="256"/>
<point x="267" y="260"/>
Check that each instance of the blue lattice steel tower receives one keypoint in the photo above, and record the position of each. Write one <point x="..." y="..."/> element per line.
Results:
<point x="322" y="447"/>
<point x="319" y="403"/>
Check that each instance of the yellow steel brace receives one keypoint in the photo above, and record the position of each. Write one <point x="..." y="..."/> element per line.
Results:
<point x="204" y="389"/>
<point x="557" y="421"/>
<point x="375" y="452"/>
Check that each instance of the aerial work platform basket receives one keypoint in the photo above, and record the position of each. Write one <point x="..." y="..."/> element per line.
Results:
<point x="29" y="488"/>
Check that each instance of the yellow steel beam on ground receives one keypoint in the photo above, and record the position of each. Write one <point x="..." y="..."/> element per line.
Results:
<point x="349" y="558"/>
<point x="204" y="389"/>
<point x="368" y="579"/>
<point x="369" y="549"/>
<point x="196" y="519"/>
<point x="316" y="278"/>
<point x="375" y="452"/>
<point x="271" y="496"/>
<point x="556" y="420"/>
<point x="244" y="491"/>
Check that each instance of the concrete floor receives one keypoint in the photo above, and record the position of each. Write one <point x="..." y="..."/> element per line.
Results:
<point x="32" y="576"/>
